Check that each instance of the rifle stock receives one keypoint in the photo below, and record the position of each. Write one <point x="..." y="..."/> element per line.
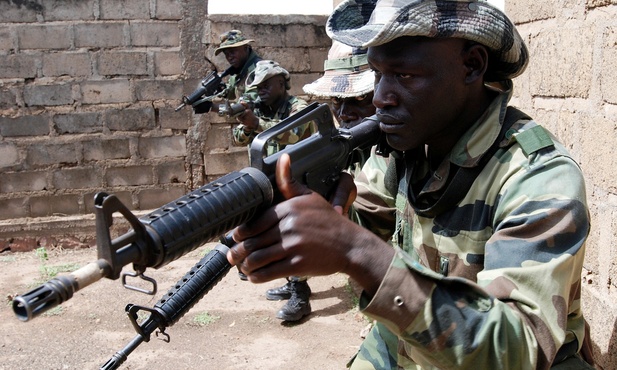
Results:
<point x="181" y="226"/>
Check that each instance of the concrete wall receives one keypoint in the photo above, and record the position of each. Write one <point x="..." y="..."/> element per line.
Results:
<point x="88" y="90"/>
<point x="570" y="87"/>
<point x="87" y="97"/>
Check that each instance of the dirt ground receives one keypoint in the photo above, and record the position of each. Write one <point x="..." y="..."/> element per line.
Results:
<point x="232" y="327"/>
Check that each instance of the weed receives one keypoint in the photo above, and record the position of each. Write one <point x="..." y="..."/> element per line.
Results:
<point x="48" y="272"/>
<point x="41" y="253"/>
<point x="355" y="300"/>
<point x="204" y="319"/>
<point x="56" y="311"/>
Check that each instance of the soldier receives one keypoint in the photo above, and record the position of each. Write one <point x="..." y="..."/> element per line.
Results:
<point x="242" y="59"/>
<point x="274" y="104"/>
<point x="348" y="83"/>
<point x="484" y="266"/>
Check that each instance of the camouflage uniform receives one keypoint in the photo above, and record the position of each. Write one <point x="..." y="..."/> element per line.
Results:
<point x="292" y="106"/>
<point x="492" y="283"/>
<point x="236" y="84"/>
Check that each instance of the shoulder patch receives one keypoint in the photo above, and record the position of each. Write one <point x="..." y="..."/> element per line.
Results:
<point x="534" y="139"/>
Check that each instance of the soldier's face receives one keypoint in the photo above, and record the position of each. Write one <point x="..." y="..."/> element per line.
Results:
<point x="421" y="91"/>
<point x="236" y="57"/>
<point x="271" y="89"/>
<point x="351" y="111"/>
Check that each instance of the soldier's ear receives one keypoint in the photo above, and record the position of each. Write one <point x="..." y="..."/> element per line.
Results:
<point x="475" y="58"/>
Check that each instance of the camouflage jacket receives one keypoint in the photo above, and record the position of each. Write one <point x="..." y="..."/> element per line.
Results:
<point x="291" y="106"/>
<point x="236" y="84"/>
<point x="492" y="283"/>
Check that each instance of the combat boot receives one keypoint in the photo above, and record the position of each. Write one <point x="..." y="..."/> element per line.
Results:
<point x="280" y="293"/>
<point x="298" y="305"/>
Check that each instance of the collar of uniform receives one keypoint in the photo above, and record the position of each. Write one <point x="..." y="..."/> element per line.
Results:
<point x="468" y="151"/>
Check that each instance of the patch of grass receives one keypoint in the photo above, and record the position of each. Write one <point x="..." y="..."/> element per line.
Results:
<point x="41" y="253"/>
<point x="8" y="259"/>
<point x="355" y="300"/>
<point x="48" y="272"/>
<point x="204" y="319"/>
<point x="56" y="311"/>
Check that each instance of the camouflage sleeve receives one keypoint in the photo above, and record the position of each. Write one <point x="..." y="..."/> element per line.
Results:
<point x="294" y="135"/>
<point x="374" y="205"/>
<point x="525" y="308"/>
<point x="241" y="138"/>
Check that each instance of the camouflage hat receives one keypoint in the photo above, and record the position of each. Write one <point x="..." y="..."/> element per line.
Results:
<point x="264" y="70"/>
<point x="346" y="74"/>
<point x="366" y="23"/>
<point x="231" y="39"/>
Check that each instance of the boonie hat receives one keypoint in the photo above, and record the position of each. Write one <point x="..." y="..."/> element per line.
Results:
<point x="346" y="74"/>
<point x="231" y="39"/>
<point x="366" y="23"/>
<point x="264" y="70"/>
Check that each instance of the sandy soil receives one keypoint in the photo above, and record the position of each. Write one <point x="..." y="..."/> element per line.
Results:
<point x="232" y="327"/>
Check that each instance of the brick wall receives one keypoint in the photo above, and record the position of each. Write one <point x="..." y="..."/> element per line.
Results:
<point x="570" y="87"/>
<point x="87" y="97"/>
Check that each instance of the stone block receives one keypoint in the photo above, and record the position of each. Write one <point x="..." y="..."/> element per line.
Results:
<point x="218" y="137"/>
<point x="137" y="119"/>
<point x="316" y="57"/>
<point x="575" y="77"/>
<point x="54" y="205"/>
<point x="170" y="119"/>
<point x="168" y="9"/>
<point x="155" y="198"/>
<point x="116" y="63"/>
<point x="134" y="9"/>
<point x="9" y="154"/>
<point x="125" y="197"/>
<point x="8" y="98"/>
<point x="78" y="123"/>
<point x="171" y="172"/>
<point x="598" y="151"/>
<point x="44" y="36"/>
<point x="77" y="178"/>
<point x="31" y="125"/>
<point x="524" y="11"/>
<point x="101" y="35"/>
<point x="292" y="59"/>
<point x="48" y="95"/>
<point x="42" y="155"/>
<point x="16" y="182"/>
<point x="305" y="35"/>
<point x="129" y="176"/>
<point x="167" y="63"/>
<point x="60" y="10"/>
<point x="155" y="34"/>
<point x="158" y="89"/>
<point x="11" y="13"/>
<point x="608" y="82"/>
<point x="6" y="41"/>
<point x="218" y="163"/>
<point x="17" y="66"/>
<point x="66" y="64"/>
<point x="106" y="92"/>
<point x="105" y="149"/>
<point x="13" y="208"/>
<point x="161" y="147"/>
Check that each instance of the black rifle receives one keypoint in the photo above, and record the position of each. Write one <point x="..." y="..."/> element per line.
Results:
<point x="181" y="226"/>
<point x="209" y="88"/>
<point x="176" y="302"/>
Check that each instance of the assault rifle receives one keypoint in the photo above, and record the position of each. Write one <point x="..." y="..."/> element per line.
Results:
<point x="183" y="225"/>
<point x="209" y="88"/>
